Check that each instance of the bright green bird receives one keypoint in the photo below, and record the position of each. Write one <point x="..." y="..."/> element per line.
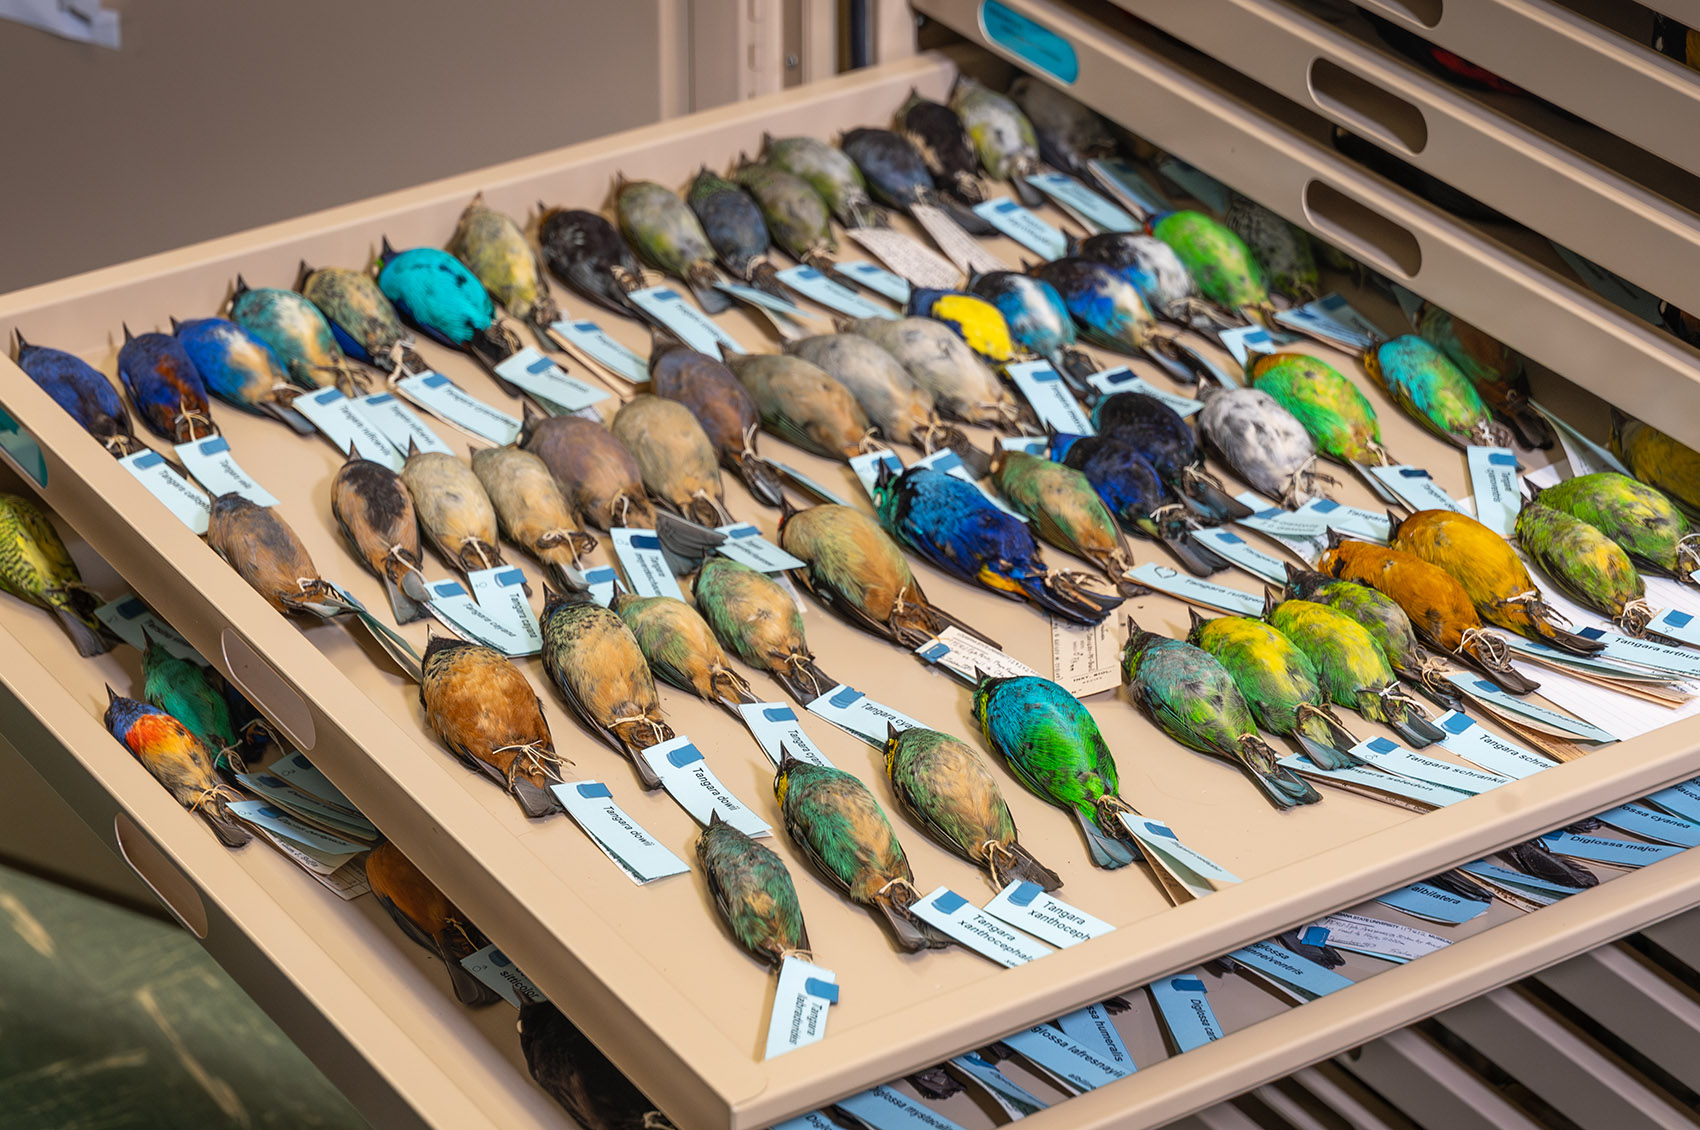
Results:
<point x="1067" y="511"/>
<point x="1435" y="392"/>
<point x="1336" y="414"/>
<point x="1194" y="700"/>
<point x="681" y="648"/>
<point x="1658" y="460"/>
<point x="36" y="567"/>
<point x="1226" y="271"/>
<point x="1589" y="567"/>
<point x="945" y="787"/>
<point x="839" y="825"/>
<point x="753" y="891"/>
<point x="754" y="616"/>
<point x="185" y="691"/>
<point x="1279" y="683"/>
<point x="1380" y="615"/>
<point x="1052" y="745"/>
<point x="1649" y="526"/>
<point x="1352" y="667"/>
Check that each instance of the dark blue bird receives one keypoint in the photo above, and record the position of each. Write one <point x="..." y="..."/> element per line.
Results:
<point x="165" y="387"/>
<point x="240" y="369"/>
<point x="84" y="392"/>
<point x="1169" y="444"/>
<point x="897" y="175"/>
<point x="956" y="528"/>
<point x="435" y="293"/>
<point x="1135" y="493"/>
<point x="736" y="230"/>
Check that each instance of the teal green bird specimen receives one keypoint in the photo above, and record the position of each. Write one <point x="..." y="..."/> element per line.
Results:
<point x="1382" y="617"/>
<point x="1194" y="700"/>
<point x="495" y="250"/>
<point x="36" y="567"/>
<point x="833" y="174"/>
<point x="1226" y="271"/>
<point x="753" y="892"/>
<point x="1589" y="567"/>
<point x="1052" y="745"/>
<point x="681" y="649"/>
<point x="667" y="235"/>
<point x="854" y="568"/>
<point x="1434" y="392"/>
<point x="436" y="293"/>
<point x="1331" y="408"/>
<point x="186" y="691"/>
<point x="363" y="321"/>
<point x="1650" y="527"/>
<point x="945" y="787"/>
<point x="298" y="333"/>
<point x="796" y="215"/>
<point x="1004" y="138"/>
<point x="1497" y="371"/>
<point x="756" y="618"/>
<point x="1066" y="510"/>
<point x="839" y="825"/>
<point x="240" y="369"/>
<point x="1352" y="668"/>
<point x="803" y="405"/>
<point x="595" y="662"/>
<point x="1658" y="460"/>
<point x="1279" y="683"/>
<point x="1283" y="249"/>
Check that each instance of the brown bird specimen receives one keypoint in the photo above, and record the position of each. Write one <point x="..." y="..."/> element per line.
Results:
<point x="675" y="458"/>
<point x="574" y="1072"/>
<point x="722" y="406"/>
<point x="481" y="706"/>
<point x="375" y="513"/>
<point x="682" y="650"/>
<point x="256" y="542"/>
<point x="453" y="508"/>
<point x="595" y="662"/>
<point x="531" y="509"/>
<point x="429" y="919"/>
<point x="597" y="474"/>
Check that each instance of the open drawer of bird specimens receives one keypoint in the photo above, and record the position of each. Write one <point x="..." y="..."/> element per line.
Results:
<point x="634" y="950"/>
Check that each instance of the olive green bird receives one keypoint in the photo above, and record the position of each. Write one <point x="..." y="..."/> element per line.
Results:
<point x="796" y="215"/>
<point x="1658" y="460"/>
<point x="1279" y="683"/>
<point x="944" y="786"/>
<point x="1587" y="566"/>
<point x="1651" y="528"/>
<point x="186" y="691"/>
<point x="1067" y="511"/>
<point x="1351" y="667"/>
<point x="594" y="661"/>
<point x="837" y="823"/>
<point x="756" y="618"/>
<point x="1382" y="617"/>
<point x="1053" y="746"/>
<point x="667" y="235"/>
<point x="1226" y="271"/>
<point x="1332" y="410"/>
<point x="36" y="567"/>
<point x="1434" y="392"/>
<point x="681" y="649"/>
<point x="1192" y="698"/>
<point x="495" y="250"/>
<point x="753" y="892"/>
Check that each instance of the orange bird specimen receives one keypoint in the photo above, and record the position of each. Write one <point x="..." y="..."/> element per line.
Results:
<point x="485" y="711"/>
<point x="428" y="918"/>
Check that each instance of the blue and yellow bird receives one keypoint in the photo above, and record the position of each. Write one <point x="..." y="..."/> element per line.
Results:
<point x="83" y="391"/>
<point x="177" y="760"/>
<point x="977" y="321"/>
<point x="165" y="387"/>
<point x="240" y="369"/>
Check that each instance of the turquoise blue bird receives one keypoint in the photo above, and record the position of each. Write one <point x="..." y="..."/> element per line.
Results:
<point x="435" y="293"/>
<point x="165" y="387"/>
<point x="1039" y="321"/>
<point x="955" y="528"/>
<point x="83" y="391"/>
<point x="240" y="369"/>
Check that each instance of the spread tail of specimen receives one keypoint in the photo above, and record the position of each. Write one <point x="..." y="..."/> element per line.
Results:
<point x="1198" y="559"/>
<point x="84" y="631"/>
<point x="763" y="275"/>
<point x="1281" y="786"/>
<point x="910" y="932"/>
<point x="1107" y="838"/>
<point x="1016" y="862"/>
<point x="701" y="277"/>
<point x="1064" y="594"/>
<point x="1325" y="741"/>
<point x="1390" y="707"/>
<point x="758" y="477"/>
<point x="232" y="833"/>
<point x="1533" y="858"/>
<point x="1207" y="498"/>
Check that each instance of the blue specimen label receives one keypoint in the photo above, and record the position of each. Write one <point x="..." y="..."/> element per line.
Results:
<point x="1493" y="480"/>
<point x="1029" y="40"/>
<point x="342" y="422"/>
<point x="1482" y="690"/>
<point x="462" y="614"/>
<point x="1357" y="778"/>
<point x="500" y="592"/>
<point x="1125" y="179"/>
<point x="1415" y="487"/>
<point x="979" y="931"/>
<point x="1024" y="227"/>
<point x="496" y="971"/>
<point x="1434" y="903"/>
<point x="1015" y="1099"/>
<point x="885" y="1109"/>
<point x="745" y="545"/>
<point x="449" y="402"/>
<point x="877" y="279"/>
<point x="210" y="461"/>
<point x="591" y="340"/>
<point x="1054" y="1051"/>
<point x="322" y="845"/>
<point x="1301" y="975"/>
<point x="1044" y="389"/>
<point x="777" y="730"/>
<point x="1033" y="909"/>
<point x="641" y="559"/>
<point x="690" y="324"/>
<point x="622" y="839"/>
<point x="811" y="284"/>
<point x="1185" y="586"/>
<point x="400" y="424"/>
<point x="1651" y="824"/>
<point x="22" y="449"/>
<point x="1123" y="379"/>
<point x="1082" y="203"/>
<point x="1185" y="1011"/>
<point x="1091" y="1027"/>
<point x="852" y="711"/>
<point x="1242" y="554"/>
<point x="1479" y="747"/>
<point x="132" y="621"/>
<point x="1353" y="520"/>
<point x="1619" y="853"/>
<point x="1391" y="757"/>
<point x="269" y="786"/>
<point x="548" y="382"/>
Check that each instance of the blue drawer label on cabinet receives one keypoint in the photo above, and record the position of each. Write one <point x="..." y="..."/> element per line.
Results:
<point x="20" y="447"/>
<point x="1032" y="41"/>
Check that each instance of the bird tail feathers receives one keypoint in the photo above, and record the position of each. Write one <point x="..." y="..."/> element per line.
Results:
<point x="1065" y="594"/>
<point x="1107" y="839"/>
<point x="1325" y="740"/>
<point x="231" y="832"/>
<point x="701" y="277"/>
<point x="89" y="639"/>
<point x="760" y="479"/>
<point x="1281" y="786"/>
<point x="1016" y="862"/>
<point x="910" y="933"/>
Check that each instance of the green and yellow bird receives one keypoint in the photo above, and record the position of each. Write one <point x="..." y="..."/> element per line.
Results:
<point x="1658" y="460"/>
<point x="945" y="787"/>
<point x="1279" y="683"/>
<point x="1651" y="528"/>
<point x="1587" y="566"/>
<point x="754" y="616"/>
<point x="839" y="825"/>
<point x="1226" y="271"/>
<point x="1434" y="392"/>
<point x="595" y="662"/>
<point x="1065" y="508"/>
<point x="35" y="566"/>
<point x="1495" y="369"/>
<point x="1194" y="700"/>
<point x="1333" y="411"/>
<point x="681" y="648"/>
<point x="1351" y="667"/>
<point x="186" y="691"/>
<point x="1381" y="616"/>
<point x="495" y="250"/>
<point x="753" y="892"/>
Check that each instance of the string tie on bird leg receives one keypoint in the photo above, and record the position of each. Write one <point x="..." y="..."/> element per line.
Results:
<point x="870" y="442"/>
<point x="798" y="953"/>
<point x="656" y="730"/>
<point x="477" y="546"/>
<point x="991" y="850"/>
<point x="749" y="451"/>
<point x="397" y="553"/>
<point x="1494" y="650"/>
<point x="1393" y="692"/>
<point x="1432" y="672"/>
<point x="1636" y="615"/>
<point x="533" y="757"/>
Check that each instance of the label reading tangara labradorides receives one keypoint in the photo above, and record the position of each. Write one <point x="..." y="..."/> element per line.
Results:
<point x="688" y="323"/>
<point x="811" y="284"/>
<point x="593" y="341"/>
<point x="496" y="971"/>
<point x="215" y="468"/>
<point x="646" y="569"/>
<point x="1024" y="227"/>
<point x="1040" y="913"/>
<point x="778" y="731"/>
<point x="340" y="420"/>
<point x="543" y="378"/>
<point x="802" y="1000"/>
<point x="948" y="911"/>
<point x="622" y="839"/>
<point x="1044" y="389"/>
<point x="454" y="405"/>
<point x="1183" y="1005"/>
<point x="854" y="712"/>
<point x="688" y="780"/>
<point x="400" y="424"/>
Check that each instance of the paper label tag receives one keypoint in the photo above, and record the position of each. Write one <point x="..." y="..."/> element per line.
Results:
<point x="622" y="839"/>
<point x="347" y="880"/>
<point x="1681" y="800"/>
<point x="1242" y="555"/>
<point x="345" y="425"/>
<point x="854" y="712"/>
<point x="463" y="615"/>
<point x="1620" y="853"/>
<point x="1415" y="487"/>
<point x="399" y="424"/>
<point x="210" y="461"/>
<point x="294" y="829"/>
<point x="1479" y="688"/>
<point x="960" y="653"/>
<point x="1651" y="824"/>
<point x="1302" y="535"/>
<point x="969" y="255"/>
<point x="775" y="725"/>
<point x="1677" y="625"/>
<point x="603" y="582"/>
<point x="284" y="795"/>
<point x="1032" y="445"/>
<point x="817" y="287"/>
<point x="1201" y="186"/>
<point x="500" y="592"/>
<point x="1125" y="179"/>
<point x="745" y="545"/>
<point x="543" y="378"/>
<point x="1194" y="590"/>
<point x="449" y="402"/>
<point x="885" y="1109"/>
<point x="1493" y="480"/>
<point x="1085" y="658"/>
<point x="1055" y="1052"/>
<point x="1479" y="747"/>
<point x="303" y="775"/>
<point x="1192" y="870"/>
<point x="804" y="995"/>
<point x="132" y="621"/>
<point x="755" y="296"/>
<point x="1613" y="287"/>
<point x="1360" y="777"/>
<point x="1016" y="1100"/>
<point x="814" y="1120"/>
<point x="688" y="323"/>
<point x="877" y="279"/>
<point x="1541" y="889"/>
<point x="180" y="496"/>
<point x="866" y="467"/>
<point x="1243" y="341"/>
<point x="979" y="931"/>
<point x="646" y="569"/>
<point x="1372" y="936"/>
<point x="496" y="972"/>
<point x="1031" y="908"/>
<point x="1044" y="389"/>
<point x="1300" y="974"/>
<point x="1091" y="209"/>
<point x="1091" y="1027"/>
<point x="919" y="264"/>
<point x="1434" y="904"/>
<point x="1185" y="1012"/>
<point x="1648" y="653"/>
<point x="688" y="780"/>
<point x="1584" y="455"/>
<point x="1122" y="379"/>
<point x="1024" y="227"/>
<point x="591" y="340"/>
<point x="1332" y="317"/>
<point x="1391" y="757"/>
<point x="1353" y="520"/>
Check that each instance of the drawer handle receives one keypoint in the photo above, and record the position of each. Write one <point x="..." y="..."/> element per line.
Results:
<point x="161" y="875"/>
<point x="1361" y="230"/>
<point x="268" y="690"/>
<point x="1424" y="12"/>
<point x="1366" y="108"/>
